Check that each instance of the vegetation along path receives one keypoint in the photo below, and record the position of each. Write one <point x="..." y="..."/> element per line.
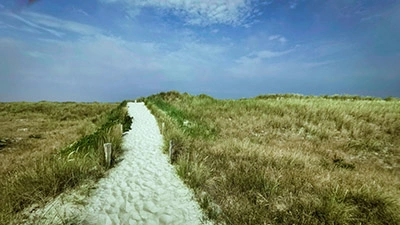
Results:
<point x="143" y="188"/>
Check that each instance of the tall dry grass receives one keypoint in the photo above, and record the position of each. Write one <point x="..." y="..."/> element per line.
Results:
<point x="43" y="166"/>
<point x="287" y="159"/>
<point x="31" y="130"/>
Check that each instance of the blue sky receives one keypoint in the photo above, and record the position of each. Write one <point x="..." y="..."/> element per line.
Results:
<point x="111" y="50"/>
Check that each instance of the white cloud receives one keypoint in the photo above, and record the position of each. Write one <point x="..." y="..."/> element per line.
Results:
<point x="59" y="24"/>
<point x="257" y="57"/>
<point x="266" y="2"/>
<point x="37" y="54"/>
<point x="279" y="38"/>
<point x="273" y="37"/>
<point x="132" y="12"/>
<point x="35" y="25"/>
<point x="80" y="11"/>
<point x="39" y="23"/>
<point x="20" y="28"/>
<point x="200" y="12"/>
<point x="317" y="64"/>
<point x="107" y="60"/>
<point x="257" y="64"/>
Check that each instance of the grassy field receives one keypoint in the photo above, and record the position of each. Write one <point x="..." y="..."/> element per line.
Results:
<point x="48" y="147"/>
<point x="287" y="159"/>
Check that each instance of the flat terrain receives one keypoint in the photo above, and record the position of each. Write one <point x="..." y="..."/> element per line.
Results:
<point x="30" y="131"/>
<point x="287" y="159"/>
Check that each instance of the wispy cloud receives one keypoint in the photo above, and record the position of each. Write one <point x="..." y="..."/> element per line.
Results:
<point x="60" y="24"/>
<point x="193" y="45"/>
<point x="199" y="12"/>
<point x="37" y="54"/>
<point x="317" y="64"/>
<point x="267" y="2"/>
<point x="80" y="11"/>
<point x="214" y="31"/>
<point x="34" y="25"/>
<point x="258" y="64"/>
<point x="256" y="57"/>
<point x="270" y="54"/>
<point x="372" y="18"/>
<point x="36" y="22"/>
<point x="279" y="38"/>
<point x="105" y="60"/>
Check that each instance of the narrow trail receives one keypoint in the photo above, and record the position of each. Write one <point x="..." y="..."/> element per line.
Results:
<point x="143" y="188"/>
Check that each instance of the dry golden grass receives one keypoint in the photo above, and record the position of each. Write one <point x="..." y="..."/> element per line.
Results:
<point x="47" y="148"/>
<point x="287" y="159"/>
<point x="31" y="131"/>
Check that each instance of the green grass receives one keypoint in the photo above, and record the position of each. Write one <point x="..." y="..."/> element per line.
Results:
<point x="287" y="159"/>
<point x="51" y="174"/>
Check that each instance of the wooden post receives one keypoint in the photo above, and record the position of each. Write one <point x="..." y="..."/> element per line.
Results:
<point x="107" y="154"/>
<point x="162" y="128"/>
<point x="121" y="128"/>
<point x="170" y="151"/>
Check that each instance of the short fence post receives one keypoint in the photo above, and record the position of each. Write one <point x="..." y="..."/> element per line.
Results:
<point x="162" y="128"/>
<point x="170" y="151"/>
<point x="107" y="154"/>
<point x="121" y="128"/>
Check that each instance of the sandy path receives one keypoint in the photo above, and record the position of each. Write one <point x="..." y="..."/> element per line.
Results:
<point x="143" y="188"/>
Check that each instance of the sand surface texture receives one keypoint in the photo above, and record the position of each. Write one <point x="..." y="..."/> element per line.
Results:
<point x="144" y="187"/>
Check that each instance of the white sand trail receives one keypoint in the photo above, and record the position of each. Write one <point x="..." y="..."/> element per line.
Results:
<point x="143" y="188"/>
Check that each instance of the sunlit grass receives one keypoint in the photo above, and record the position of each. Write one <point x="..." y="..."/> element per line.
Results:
<point x="52" y="147"/>
<point x="287" y="159"/>
<point x="36" y="129"/>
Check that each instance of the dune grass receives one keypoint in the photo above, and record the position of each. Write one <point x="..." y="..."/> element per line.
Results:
<point x="51" y="147"/>
<point x="287" y="159"/>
